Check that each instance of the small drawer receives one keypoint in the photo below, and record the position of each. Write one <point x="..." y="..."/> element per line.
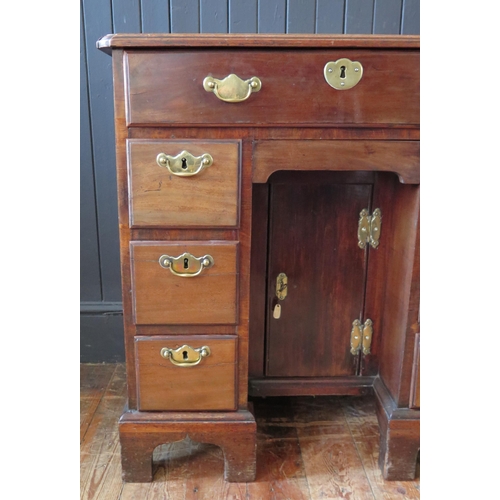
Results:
<point x="177" y="87"/>
<point x="194" y="183"/>
<point x="186" y="373"/>
<point x="185" y="282"/>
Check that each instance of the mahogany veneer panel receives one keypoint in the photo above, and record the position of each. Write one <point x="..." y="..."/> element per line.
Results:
<point x="312" y="239"/>
<point x="167" y="88"/>
<point x="209" y="385"/>
<point x="160" y="297"/>
<point x="161" y="199"/>
<point x="402" y="157"/>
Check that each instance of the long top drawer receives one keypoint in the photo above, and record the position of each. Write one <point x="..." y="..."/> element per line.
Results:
<point x="167" y="87"/>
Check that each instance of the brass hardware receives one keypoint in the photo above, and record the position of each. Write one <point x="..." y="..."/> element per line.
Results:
<point x="277" y="311"/>
<point x="369" y="227"/>
<point x="361" y="336"/>
<point x="281" y="286"/>
<point x="183" y="264"/>
<point x="375" y="226"/>
<point x="343" y="74"/>
<point x="185" y="356"/>
<point x="367" y="336"/>
<point x="356" y="337"/>
<point x="232" y="88"/>
<point x="184" y="164"/>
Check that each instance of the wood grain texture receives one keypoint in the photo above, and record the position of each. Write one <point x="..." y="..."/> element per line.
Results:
<point x="400" y="309"/>
<point x="326" y="276"/>
<point x="289" y="133"/>
<point x="210" y="385"/>
<point x="160" y="199"/>
<point x="413" y="323"/>
<point x="160" y="297"/>
<point x="123" y="221"/>
<point x="378" y="263"/>
<point x="362" y="421"/>
<point x="94" y="380"/>
<point x="375" y="122"/>
<point x="331" y="461"/>
<point x="234" y="432"/>
<point x="116" y="41"/>
<point x="188" y="469"/>
<point x="100" y="474"/>
<point x="399" y="436"/>
<point x="296" y="94"/>
<point x="401" y="157"/>
<point x="258" y="279"/>
<point x="313" y="386"/>
<point x="415" y="376"/>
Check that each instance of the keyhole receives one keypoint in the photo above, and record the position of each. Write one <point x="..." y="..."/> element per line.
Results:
<point x="184" y="164"/>
<point x="184" y="355"/>
<point x="342" y="71"/>
<point x="186" y="263"/>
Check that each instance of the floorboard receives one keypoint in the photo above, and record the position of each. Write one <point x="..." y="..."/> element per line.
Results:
<point x="308" y="449"/>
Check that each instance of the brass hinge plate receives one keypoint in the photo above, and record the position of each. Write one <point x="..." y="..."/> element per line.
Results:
<point x="361" y="336"/>
<point x="369" y="227"/>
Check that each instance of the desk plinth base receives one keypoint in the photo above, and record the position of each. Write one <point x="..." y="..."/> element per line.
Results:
<point x="234" y="432"/>
<point x="399" y="437"/>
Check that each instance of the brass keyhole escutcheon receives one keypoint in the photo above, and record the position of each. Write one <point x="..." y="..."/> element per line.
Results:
<point x="281" y="286"/>
<point x="343" y="74"/>
<point x="185" y="356"/>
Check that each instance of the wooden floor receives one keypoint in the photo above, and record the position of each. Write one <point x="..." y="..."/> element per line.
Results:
<point x="308" y="448"/>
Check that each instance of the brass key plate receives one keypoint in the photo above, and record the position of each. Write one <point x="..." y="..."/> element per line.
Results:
<point x="281" y="286"/>
<point x="343" y="74"/>
<point x="185" y="356"/>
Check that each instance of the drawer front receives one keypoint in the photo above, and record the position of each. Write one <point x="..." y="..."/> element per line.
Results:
<point x="163" y="196"/>
<point x="167" y="87"/>
<point x="161" y="295"/>
<point x="166" y="380"/>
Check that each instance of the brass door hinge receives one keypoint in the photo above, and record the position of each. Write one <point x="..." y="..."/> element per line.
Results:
<point x="369" y="228"/>
<point x="361" y="336"/>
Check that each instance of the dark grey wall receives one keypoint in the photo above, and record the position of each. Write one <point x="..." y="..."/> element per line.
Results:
<point x="101" y="318"/>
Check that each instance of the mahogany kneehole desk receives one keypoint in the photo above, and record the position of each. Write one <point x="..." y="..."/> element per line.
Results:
<point x="269" y="232"/>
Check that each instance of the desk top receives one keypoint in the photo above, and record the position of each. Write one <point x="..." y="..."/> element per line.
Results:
<point x="160" y="40"/>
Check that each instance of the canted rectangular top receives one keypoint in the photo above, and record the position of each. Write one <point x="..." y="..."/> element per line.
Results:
<point x="157" y="41"/>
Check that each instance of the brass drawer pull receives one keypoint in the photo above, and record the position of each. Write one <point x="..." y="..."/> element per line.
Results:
<point x="232" y="88"/>
<point x="185" y="356"/>
<point x="184" y="164"/>
<point x="343" y="74"/>
<point x="183" y="264"/>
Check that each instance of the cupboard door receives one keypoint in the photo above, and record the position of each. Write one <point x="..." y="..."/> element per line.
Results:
<point x="313" y="240"/>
